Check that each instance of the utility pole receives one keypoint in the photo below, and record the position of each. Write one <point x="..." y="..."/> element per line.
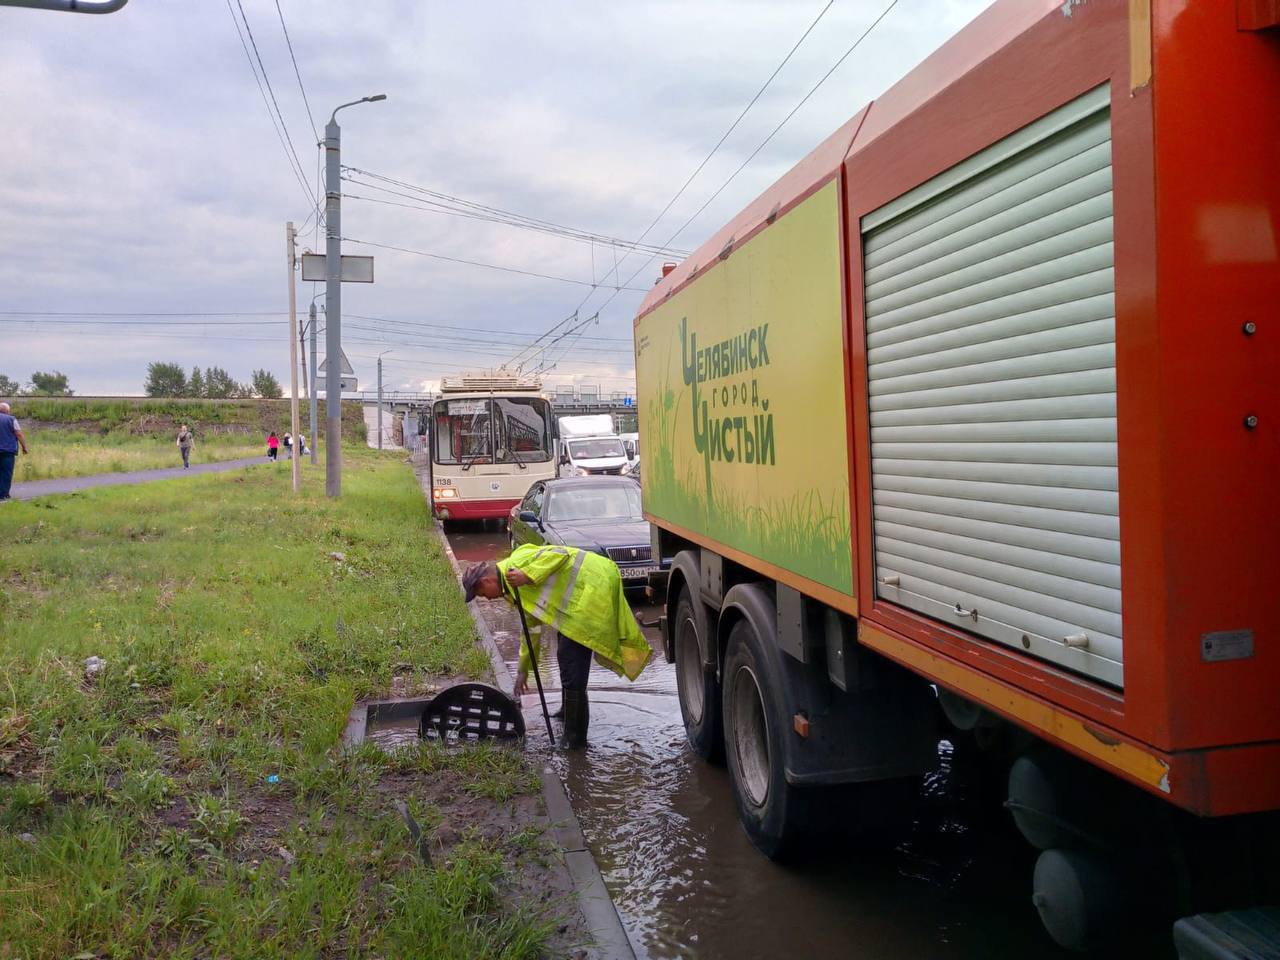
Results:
<point x="380" y="397"/>
<point x="315" y="401"/>
<point x="296" y="457"/>
<point x="333" y="298"/>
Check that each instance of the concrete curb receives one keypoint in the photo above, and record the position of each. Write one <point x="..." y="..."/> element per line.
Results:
<point x="610" y="939"/>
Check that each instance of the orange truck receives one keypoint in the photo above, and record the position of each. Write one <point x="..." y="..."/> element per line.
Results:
<point x="973" y="419"/>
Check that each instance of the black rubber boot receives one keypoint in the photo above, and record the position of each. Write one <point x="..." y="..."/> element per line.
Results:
<point x="576" y="718"/>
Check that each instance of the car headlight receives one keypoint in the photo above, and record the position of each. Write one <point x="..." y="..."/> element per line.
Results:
<point x="626" y="468"/>
<point x="581" y="472"/>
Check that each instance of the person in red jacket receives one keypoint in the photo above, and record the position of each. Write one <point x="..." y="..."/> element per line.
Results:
<point x="273" y="445"/>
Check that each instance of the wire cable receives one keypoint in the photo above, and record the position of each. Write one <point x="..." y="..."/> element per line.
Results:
<point x="297" y="73"/>
<point x="844" y="56"/>
<point x="432" y="201"/>
<point x="267" y="80"/>
<point x="289" y="158"/>
<point x="472" y="263"/>
<point x="725" y="136"/>
<point x="803" y="100"/>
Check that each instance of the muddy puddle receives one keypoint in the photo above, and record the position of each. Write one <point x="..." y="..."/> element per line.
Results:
<point x="687" y="882"/>
<point x="393" y="734"/>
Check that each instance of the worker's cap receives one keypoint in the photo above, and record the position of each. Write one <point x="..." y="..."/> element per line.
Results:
<point x="471" y="578"/>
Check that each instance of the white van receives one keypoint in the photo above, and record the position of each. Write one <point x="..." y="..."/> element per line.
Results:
<point x="589" y="447"/>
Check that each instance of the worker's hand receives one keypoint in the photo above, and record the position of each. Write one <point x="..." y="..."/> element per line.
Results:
<point x="518" y="578"/>
<point x="522" y="683"/>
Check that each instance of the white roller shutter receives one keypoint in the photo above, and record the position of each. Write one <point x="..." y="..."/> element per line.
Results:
<point x="991" y="368"/>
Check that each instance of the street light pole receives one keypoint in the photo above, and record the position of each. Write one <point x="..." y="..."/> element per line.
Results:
<point x="380" y="356"/>
<point x="333" y="298"/>
<point x="315" y="401"/>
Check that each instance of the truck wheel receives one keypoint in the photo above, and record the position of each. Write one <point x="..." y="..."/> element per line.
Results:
<point x="699" y="692"/>
<point x="772" y="811"/>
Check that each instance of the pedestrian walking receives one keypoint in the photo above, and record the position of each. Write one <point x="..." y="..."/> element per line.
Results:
<point x="580" y="594"/>
<point x="273" y="445"/>
<point x="186" y="440"/>
<point x="11" y="441"/>
<point x="302" y="445"/>
<point x="288" y="446"/>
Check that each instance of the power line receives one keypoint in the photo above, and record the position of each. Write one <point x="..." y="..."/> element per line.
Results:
<point x="437" y="202"/>
<point x="458" y="341"/>
<point x="473" y="330"/>
<point x="267" y="80"/>
<point x="426" y="207"/>
<point x="95" y="317"/>
<point x="472" y="263"/>
<point x="844" y="56"/>
<point x="297" y="73"/>
<point x="94" y="313"/>
<point x="289" y="157"/>
<point x="803" y="100"/>
<point x="707" y="159"/>
<point x="725" y="136"/>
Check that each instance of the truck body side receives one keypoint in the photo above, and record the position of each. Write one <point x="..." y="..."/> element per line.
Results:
<point x="982" y="390"/>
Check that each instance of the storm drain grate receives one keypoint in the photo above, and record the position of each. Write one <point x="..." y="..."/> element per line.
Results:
<point x="469" y="712"/>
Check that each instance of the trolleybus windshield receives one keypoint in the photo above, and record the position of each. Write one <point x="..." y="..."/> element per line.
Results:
<point x="514" y="430"/>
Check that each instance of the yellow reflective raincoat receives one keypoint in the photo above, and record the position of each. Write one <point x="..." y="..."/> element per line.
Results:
<point x="579" y="594"/>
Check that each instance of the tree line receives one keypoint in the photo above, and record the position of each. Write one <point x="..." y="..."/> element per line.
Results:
<point x="41" y="384"/>
<point x="163" y="380"/>
<point x="211" y="383"/>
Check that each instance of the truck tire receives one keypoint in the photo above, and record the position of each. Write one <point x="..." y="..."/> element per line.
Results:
<point x="696" y="684"/>
<point x="772" y="811"/>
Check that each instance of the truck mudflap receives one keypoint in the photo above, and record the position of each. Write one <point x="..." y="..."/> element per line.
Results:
<point x="884" y="728"/>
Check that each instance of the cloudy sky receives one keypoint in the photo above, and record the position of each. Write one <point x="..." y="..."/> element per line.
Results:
<point x="141" y="173"/>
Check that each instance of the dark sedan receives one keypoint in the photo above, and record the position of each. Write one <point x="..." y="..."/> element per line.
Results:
<point x="601" y="514"/>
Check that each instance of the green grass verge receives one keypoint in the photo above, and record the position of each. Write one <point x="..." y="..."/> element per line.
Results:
<point x="77" y="437"/>
<point x="239" y="624"/>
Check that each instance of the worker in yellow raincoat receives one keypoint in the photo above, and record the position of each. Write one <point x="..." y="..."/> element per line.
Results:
<point x="579" y="594"/>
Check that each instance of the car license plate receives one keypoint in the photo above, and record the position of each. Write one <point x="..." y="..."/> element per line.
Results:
<point x="636" y="573"/>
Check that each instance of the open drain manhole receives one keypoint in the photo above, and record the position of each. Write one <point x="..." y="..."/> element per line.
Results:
<point x="469" y="712"/>
<point x="465" y="713"/>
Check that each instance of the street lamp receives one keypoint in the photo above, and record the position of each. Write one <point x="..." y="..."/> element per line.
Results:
<point x="333" y="298"/>
<point x="380" y="356"/>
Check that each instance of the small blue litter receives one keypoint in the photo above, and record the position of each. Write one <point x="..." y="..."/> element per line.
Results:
<point x="273" y="778"/>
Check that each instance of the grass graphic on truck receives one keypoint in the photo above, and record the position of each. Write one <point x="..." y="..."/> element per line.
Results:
<point x="744" y="435"/>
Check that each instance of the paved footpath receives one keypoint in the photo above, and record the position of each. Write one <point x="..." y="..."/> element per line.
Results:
<point x="42" y="488"/>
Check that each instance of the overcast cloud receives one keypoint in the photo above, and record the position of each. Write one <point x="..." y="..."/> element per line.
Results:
<point x="140" y="172"/>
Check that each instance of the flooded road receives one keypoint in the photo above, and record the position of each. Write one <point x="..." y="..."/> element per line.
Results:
<point x="687" y="882"/>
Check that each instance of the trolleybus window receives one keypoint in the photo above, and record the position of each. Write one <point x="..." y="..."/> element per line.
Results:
<point x="521" y="430"/>
<point x="469" y="431"/>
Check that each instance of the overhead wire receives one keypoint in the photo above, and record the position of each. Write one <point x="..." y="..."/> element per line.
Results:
<point x="803" y="100"/>
<point x="266" y="79"/>
<point x="472" y="263"/>
<point x="290" y="158"/>
<point x="433" y="201"/>
<point x="297" y="73"/>
<point x="707" y="159"/>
